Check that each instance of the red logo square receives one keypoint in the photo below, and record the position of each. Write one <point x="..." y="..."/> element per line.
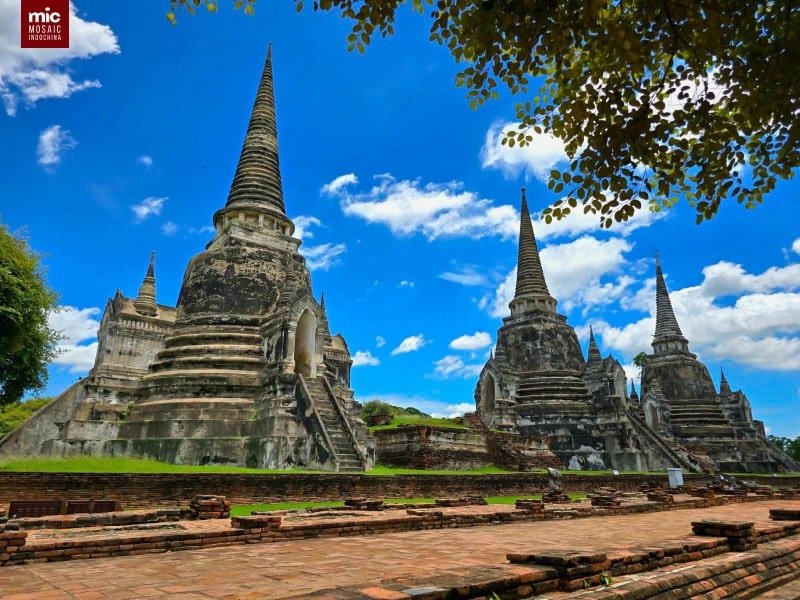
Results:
<point x="45" y="24"/>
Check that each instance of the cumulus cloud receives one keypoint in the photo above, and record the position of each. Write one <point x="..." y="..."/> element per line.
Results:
<point x="410" y="344"/>
<point x="303" y="224"/>
<point x="323" y="256"/>
<point x="573" y="271"/>
<point x="453" y="367"/>
<point x="342" y="181"/>
<point x="447" y="210"/>
<point x="76" y="326"/>
<point x="476" y="341"/>
<point x="760" y="328"/>
<point x="536" y="159"/>
<point x="53" y="141"/>
<point x="147" y="207"/>
<point x="380" y="342"/>
<point x="28" y="75"/>
<point x="405" y="283"/>
<point x="364" y="358"/>
<point x="796" y="246"/>
<point x="145" y="160"/>
<point x="436" y="210"/>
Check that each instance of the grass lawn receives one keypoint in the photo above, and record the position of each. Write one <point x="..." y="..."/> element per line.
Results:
<point x="402" y="420"/>
<point x="386" y="470"/>
<point x="116" y="464"/>
<point x="246" y="509"/>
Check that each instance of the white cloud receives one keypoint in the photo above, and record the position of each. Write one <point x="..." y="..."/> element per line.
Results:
<point x="76" y="326"/>
<point x="364" y="358"/>
<point x="53" y="141"/>
<point x="169" y="228"/>
<point x="406" y="283"/>
<point x="410" y="344"/>
<point x="796" y="246"/>
<point x="145" y="160"/>
<point x="468" y="276"/>
<point x="335" y="186"/>
<point x="32" y="74"/>
<point x="476" y="341"/>
<point x="573" y="271"/>
<point x="201" y="230"/>
<point x="536" y="159"/>
<point x="302" y="224"/>
<point x="453" y="367"/>
<point x="380" y="342"/>
<point x="434" y="209"/>
<point x="759" y="329"/>
<point x="149" y="206"/>
<point x="578" y="222"/>
<point x="323" y="257"/>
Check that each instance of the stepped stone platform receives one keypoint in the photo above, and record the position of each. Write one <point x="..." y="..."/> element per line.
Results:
<point x="424" y="565"/>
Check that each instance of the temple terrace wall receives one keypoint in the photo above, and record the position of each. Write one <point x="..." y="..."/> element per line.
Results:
<point x="147" y="490"/>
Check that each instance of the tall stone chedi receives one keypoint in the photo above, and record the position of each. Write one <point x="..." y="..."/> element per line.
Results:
<point x="680" y="402"/>
<point x="538" y="386"/>
<point x="245" y="370"/>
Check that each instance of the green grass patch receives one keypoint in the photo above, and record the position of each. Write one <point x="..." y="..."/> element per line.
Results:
<point x="403" y="420"/>
<point x="116" y="464"/>
<point x="386" y="470"/>
<point x="239" y="510"/>
<point x="513" y="499"/>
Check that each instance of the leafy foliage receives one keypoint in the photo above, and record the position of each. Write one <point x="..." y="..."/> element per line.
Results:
<point x="655" y="100"/>
<point x="27" y="344"/>
<point x="787" y="445"/>
<point x="640" y="359"/>
<point x="14" y="415"/>
<point x="376" y="412"/>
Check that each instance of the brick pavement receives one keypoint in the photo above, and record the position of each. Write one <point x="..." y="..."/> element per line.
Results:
<point x="286" y="569"/>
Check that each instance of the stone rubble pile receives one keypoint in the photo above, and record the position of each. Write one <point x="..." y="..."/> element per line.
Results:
<point x="210" y="507"/>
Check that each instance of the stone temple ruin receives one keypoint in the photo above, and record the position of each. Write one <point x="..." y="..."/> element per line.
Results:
<point x="576" y="412"/>
<point x="243" y="371"/>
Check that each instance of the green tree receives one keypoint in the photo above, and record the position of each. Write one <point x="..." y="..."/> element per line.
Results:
<point x="376" y="412"/>
<point x="14" y="415"/>
<point x="27" y="344"/>
<point x="655" y="100"/>
<point x="787" y="445"/>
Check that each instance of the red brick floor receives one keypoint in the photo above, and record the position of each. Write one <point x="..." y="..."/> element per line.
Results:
<point x="286" y="569"/>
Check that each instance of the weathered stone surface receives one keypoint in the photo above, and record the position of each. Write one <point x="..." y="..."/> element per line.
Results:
<point x="244" y="371"/>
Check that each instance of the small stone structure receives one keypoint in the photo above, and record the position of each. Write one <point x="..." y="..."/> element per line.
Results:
<point x="243" y="371"/>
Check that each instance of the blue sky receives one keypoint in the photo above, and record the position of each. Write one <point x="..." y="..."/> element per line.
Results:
<point x="127" y="143"/>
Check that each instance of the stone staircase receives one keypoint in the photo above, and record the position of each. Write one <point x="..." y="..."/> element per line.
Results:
<point x="551" y="386"/>
<point x="678" y="456"/>
<point x="336" y="427"/>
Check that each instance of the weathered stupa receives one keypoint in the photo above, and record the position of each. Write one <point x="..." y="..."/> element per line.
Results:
<point x="244" y="371"/>
<point x="680" y="402"/>
<point x="564" y="410"/>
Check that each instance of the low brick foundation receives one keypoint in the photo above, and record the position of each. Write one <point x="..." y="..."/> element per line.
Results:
<point x="148" y="490"/>
<point x="270" y="528"/>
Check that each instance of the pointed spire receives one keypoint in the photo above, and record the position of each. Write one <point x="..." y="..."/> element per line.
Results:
<point x="322" y="301"/>
<point x="258" y="176"/>
<point x="491" y="354"/>
<point x="724" y="386"/>
<point x="633" y="394"/>
<point x="594" y="351"/>
<point x="668" y="334"/>
<point x="145" y="303"/>
<point x="531" y="290"/>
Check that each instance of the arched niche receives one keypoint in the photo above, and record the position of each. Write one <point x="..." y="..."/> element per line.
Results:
<point x="305" y="345"/>
<point x="487" y="395"/>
